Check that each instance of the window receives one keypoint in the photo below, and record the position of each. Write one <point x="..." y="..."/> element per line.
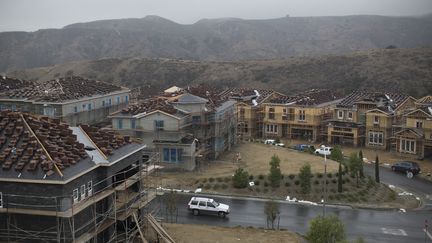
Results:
<point x="172" y="155"/>
<point x="242" y="113"/>
<point x="302" y="115"/>
<point x="83" y="192"/>
<point x="90" y="188"/>
<point x="210" y="205"/>
<point x="340" y="114"/>
<point x="75" y="109"/>
<point x="120" y="123"/>
<point x="376" y="138"/>
<point x="196" y="120"/>
<point x="126" y="99"/>
<point x="271" y="128"/>
<point x="350" y="115"/>
<point x="271" y="113"/>
<point x="419" y="124"/>
<point x="284" y="110"/>
<point x="1" y="200"/>
<point x="133" y="123"/>
<point x="408" y="146"/>
<point x="89" y="107"/>
<point x="194" y="203"/>
<point x="13" y="107"/>
<point x="109" y="102"/>
<point x="202" y="204"/>
<point x="166" y="153"/>
<point x="118" y="100"/>
<point x="103" y="103"/>
<point x="159" y="125"/>
<point x="75" y="195"/>
<point x="49" y="111"/>
<point x="376" y="119"/>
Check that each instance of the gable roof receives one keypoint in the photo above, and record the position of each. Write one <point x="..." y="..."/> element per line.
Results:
<point x="313" y="97"/>
<point x="41" y="148"/>
<point x="188" y="98"/>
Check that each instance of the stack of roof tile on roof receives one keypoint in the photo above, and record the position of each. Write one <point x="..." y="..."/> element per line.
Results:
<point x="212" y="94"/>
<point x="372" y="97"/>
<point x="28" y="142"/>
<point x="149" y="105"/>
<point x="309" y="98"/>
<point x="426" y="101"/>
<point x="70" y="88"/>
<point x="247" y="94"/>
<point x="107" y="141"/>
<point x="8" y="83"/>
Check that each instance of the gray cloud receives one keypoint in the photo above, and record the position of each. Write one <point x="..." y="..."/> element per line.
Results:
<point x="30" y="15"/>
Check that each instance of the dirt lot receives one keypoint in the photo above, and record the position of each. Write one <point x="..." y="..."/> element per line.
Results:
<point x="255" y="158"/>
<point x="185" y="233"/>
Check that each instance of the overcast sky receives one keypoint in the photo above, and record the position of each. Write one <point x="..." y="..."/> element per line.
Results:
<point x="30" y="15"/>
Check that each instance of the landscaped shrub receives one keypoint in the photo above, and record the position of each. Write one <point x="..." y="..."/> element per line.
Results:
<point x="261" y="177"/>
<point x="227" y="179"/>
<point x="251" y="177"/>
<point x="329" y="175"/>
<point x="334" y="181"/>
<point x="327" y="182"/>
<point x="207" y="186"/>
<point x="319" y="175"/>
<point x="297" y="182"/>
<point x="333" y="190"/>
<point x="316" y="182"/>
<point x="211" y="179"/>
<point x="219" y="179"/>
<point x="204" y="180"/>
<point x="266" y="184"/>
<point x="196" y="182"/>
<point x="200" y="185"/>
<point x="331" y="197"/>
<point x="257" y="189"/>
<point x="347" y="180"/>
<point x="291" y="176"/>
<point x="287" y="184"/>
<point x="391" y="196"/>
<point x="224" y="186"/>
<point x="265" y="190"/>
<point x="257" y="182"/>
<point x="216" y="186"/>
<point x="240" y="178"/>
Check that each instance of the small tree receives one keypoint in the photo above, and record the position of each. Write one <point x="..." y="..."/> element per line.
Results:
<point x="275" y="175"/>
<point x="328" y="229"/>
<point x="355" y="165"/>
<point x="361" y="164"/>
<point x="271" y="210"/>
<point x="241" y="178"/>
<point x="305" y="178"/>
<point x="340" y="178"/>
<point x="336" y="154"/>
<point x="377" y="177"/>
<point x="171" y="206"/>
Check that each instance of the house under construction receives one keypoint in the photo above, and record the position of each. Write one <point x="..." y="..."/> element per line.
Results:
<point x="69" y="184"/>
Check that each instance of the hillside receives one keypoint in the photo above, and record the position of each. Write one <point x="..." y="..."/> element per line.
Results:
<point x="409" y="70"/>
<point x="227" y="39"/>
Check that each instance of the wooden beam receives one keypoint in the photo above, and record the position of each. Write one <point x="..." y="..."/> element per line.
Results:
<point x="40" y="143"/>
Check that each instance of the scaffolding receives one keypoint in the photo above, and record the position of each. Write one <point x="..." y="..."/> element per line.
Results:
<point x="116" y="210"/>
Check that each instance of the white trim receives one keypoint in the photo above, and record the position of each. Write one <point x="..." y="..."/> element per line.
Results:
<point x="1" y="200"/>
<point x="90" y="188"/>
<point x="339" y="112"/>
<point x="75" y="198"/>
<point x="82" y="192"/>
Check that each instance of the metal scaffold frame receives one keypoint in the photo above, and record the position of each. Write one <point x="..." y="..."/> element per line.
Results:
<point x="107" y="207"/>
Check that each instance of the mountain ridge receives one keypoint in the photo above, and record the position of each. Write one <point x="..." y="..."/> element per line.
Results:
<point x="218" y="39"/>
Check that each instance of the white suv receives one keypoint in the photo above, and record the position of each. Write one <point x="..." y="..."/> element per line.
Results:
<point x="207" y="205"/>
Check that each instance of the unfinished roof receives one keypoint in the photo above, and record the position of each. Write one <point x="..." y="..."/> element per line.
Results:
<point x="371" y="97"/>
<point x="190" y="99"/>
<point x="33" y="147"/>
<point x="425" y="101"/>
<point x="60" y="90"/>
<point x="8" y="83"/>
<point x="147" y="106"/>
<point x="247" y="95"/>
<point x="173" y="89"/>
<point x="311" y="97"/>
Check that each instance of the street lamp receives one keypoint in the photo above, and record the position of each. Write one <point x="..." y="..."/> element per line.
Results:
<point x="325" y="180"/>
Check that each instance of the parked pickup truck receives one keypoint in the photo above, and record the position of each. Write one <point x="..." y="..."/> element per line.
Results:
<point x="324" y="150"/>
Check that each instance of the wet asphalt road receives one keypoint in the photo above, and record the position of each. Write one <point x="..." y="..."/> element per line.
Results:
<point x="372" y="225"/>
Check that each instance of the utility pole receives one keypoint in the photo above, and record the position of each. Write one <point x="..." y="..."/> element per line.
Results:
<point x="325" y="182"/>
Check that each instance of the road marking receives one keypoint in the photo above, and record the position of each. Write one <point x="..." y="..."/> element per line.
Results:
<point x="394" y="231"/>
<point x="428" y="234"/>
